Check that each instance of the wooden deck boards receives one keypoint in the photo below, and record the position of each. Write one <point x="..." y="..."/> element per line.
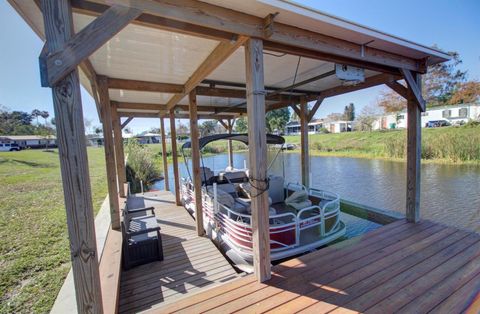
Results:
<point x="400" y="267"/>
<point x="190" y="262"/>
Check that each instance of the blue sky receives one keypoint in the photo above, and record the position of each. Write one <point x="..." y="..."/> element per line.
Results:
<point x="452" y="25"/>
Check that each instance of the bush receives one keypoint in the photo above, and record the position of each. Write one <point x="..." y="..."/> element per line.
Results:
<point x="141" y="166"/>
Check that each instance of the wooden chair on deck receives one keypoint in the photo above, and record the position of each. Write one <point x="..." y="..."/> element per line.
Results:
<point x="142" y="241"/>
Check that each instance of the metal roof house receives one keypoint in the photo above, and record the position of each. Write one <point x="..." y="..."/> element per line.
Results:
<point x="29" y="141"/>
<point x="203" y="59"/>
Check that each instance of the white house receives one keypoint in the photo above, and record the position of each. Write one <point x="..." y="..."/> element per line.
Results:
<point x="338" y="126"/>
<point x="454" y="115"/>
<point x="315" y="126"/>
<point x="30" y="141"/>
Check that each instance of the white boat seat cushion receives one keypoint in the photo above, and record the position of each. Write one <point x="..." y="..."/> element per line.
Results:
<point x="298" y="200"/>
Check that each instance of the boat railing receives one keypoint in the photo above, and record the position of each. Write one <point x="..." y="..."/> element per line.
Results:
<point x="285" y="229"/>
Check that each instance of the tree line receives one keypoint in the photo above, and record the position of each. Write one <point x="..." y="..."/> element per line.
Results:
<point x="21" y="123"/>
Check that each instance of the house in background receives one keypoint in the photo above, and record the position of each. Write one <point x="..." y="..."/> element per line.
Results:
<point x="338" y="126"/>
<point x="148" y="138"/>
<point x="455" y="115"/>
<point x="317" y="125"/>
<point x="95" y="140"/>
<point x="30" y="141"/>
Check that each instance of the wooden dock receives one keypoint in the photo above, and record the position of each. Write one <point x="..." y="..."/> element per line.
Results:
<point x="400" y="267"/>
<point x="190" y="262"/>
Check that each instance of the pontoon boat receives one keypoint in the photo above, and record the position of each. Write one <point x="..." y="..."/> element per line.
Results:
<point x="301" y="219"/>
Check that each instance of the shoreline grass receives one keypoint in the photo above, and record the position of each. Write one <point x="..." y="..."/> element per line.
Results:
<point x="447" y="145"/>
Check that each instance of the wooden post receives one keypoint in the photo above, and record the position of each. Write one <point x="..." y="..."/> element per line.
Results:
<point x="164" y="155"/>
<point x="176" y="175"/>
<point x="119" y="152"/>
<point x="72" y="151"/>
<point x="257" y="154"/>
<point x="104" y="99"/>
<point x="197" y="180"/>
<point x="414" y="154"/>
<point x="304" y="142"/>
<point x="230" y="145"/>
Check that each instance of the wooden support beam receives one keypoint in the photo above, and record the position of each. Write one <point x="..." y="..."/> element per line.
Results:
<point x="87" y="68"/>
<point x="304" y="154"/>
<point x="399" y="88"/>
<point x="126" y="122"/>
<point x="315" y="107"/>
<point x="197" y="180"/>
<point x="316" y="55"/>
<point x="219" y="54"/>
<point x="88" y="40"/>
<point x="164" y="155"/>
<point x="216" y="83"/>
<point x="223" y="124"/>
<point x="109" y="151"/>
<point x="371" y="81"/>
<point x="119" y="152"/>
<point x="258" y="158"/>
<point x="178" y="116"/>
<point x="176" y="175"/>
<point x="72" y="152"/>
<point x="226" y="20"/>
<point x="415" y="88"/>
<point x="230" y="123"/>
<point x="162" y="107"/>
<point x="414" y="154"/>
<point x="268" y="24"/>
<point x="156" y="22"/>
<point x="295" y="108"/>
<point x="144" y="86"/>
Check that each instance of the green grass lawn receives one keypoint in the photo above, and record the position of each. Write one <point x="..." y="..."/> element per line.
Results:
<point x="34" y="246"/>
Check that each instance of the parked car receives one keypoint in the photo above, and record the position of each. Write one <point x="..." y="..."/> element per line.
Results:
<point x="437" y="123"/>
<point x="9" y="148"/>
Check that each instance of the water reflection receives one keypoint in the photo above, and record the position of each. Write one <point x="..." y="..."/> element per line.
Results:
<point x="450" y="193"/>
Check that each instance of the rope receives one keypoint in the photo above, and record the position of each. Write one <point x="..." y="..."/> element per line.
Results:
<point x="267" y="184"/>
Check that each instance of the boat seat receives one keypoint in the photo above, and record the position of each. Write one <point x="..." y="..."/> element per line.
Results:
<point x="246" y="189"/>
<point x="223" y="197"/>
<point x="298" y="200"/>
<point x="233" y="176"/>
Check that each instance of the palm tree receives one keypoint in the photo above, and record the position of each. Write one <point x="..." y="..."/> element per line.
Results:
<point x="36" y="113"/>
<point x="45" y="115"/>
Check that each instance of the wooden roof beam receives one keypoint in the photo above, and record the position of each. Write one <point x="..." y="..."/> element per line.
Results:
<point x="157" y="22"/>
<point x="177" y="116"/>
<point x="143" y="106"/>
<point x="267" y="88"/>
<point x="369" y="82"/>
<point x="218" y="55"/>
<point x="144" y="86"/>
<point x="80" y="46"/>
<point x="227" y="20"/>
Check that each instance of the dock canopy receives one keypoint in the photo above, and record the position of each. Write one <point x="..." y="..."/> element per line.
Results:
<point x="241" y="137"/>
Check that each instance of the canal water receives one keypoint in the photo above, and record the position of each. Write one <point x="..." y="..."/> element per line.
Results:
<point x="450" y="194"/>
